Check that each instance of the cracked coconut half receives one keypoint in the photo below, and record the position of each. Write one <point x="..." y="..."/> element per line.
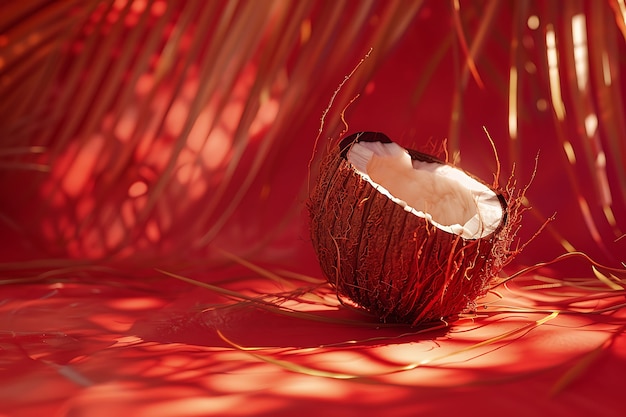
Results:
<point x="404" y="235"/>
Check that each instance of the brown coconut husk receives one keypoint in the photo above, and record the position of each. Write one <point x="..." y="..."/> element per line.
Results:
<point x="389" y="261"/>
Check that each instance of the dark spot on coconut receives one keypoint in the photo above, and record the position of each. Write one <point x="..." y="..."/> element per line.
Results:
<point x="348" y="141"/>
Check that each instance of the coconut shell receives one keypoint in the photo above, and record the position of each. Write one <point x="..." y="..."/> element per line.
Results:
<point x="389" y="261"/>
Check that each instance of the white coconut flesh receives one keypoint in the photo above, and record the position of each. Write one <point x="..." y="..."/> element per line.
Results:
<point x="446" y="196"/>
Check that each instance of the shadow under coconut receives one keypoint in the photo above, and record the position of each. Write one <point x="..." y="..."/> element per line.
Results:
<point x="253" y="326"/>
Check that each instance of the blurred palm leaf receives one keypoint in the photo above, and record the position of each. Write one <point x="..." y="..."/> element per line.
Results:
<point x="152" y="113"/>
<point x="168" y="127"/>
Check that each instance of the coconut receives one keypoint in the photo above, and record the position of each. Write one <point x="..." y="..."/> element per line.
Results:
<point x="404" y="235"/>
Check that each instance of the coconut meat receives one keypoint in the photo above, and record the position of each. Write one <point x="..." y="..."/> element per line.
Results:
<point x="446" y="196"/>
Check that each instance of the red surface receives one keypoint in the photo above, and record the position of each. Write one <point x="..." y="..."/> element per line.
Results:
<point x="94" y="349"/>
